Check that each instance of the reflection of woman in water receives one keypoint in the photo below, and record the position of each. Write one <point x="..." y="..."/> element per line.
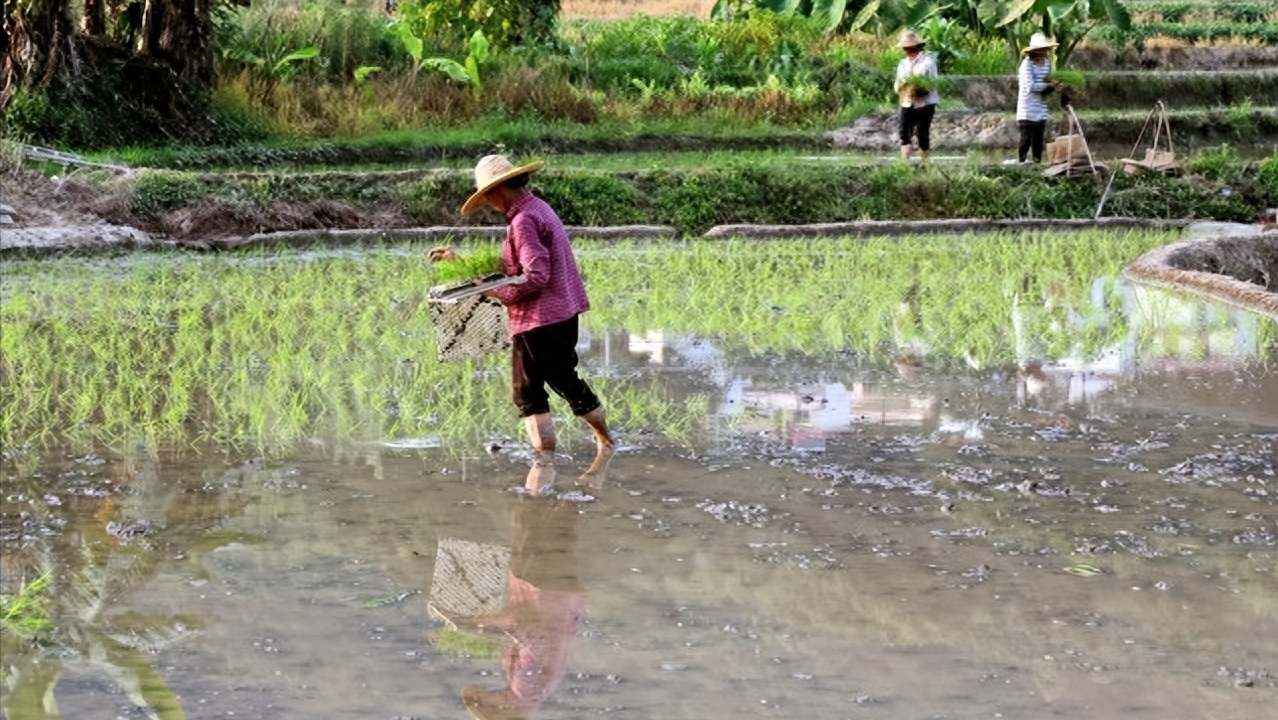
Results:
<point x="544" y="605"/>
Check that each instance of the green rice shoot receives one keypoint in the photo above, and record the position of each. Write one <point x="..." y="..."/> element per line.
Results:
<point x="1071" y="78"/>
<point x="483" y="261"/>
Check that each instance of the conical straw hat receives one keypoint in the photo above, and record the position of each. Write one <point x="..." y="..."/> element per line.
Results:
<point x="491" y="171"/>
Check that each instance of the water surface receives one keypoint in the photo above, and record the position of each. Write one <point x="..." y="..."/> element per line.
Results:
<point x="835" y="539"/>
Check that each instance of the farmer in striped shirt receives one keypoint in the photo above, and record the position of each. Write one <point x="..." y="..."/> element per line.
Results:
<point x="1031" y="103"/>
<point x="542" y="314"/>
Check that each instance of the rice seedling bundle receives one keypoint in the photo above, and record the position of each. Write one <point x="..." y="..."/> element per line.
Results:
<point x="482" y="262"/>
<point x="1071" y="78"/>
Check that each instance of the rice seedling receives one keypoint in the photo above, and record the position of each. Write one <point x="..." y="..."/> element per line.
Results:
<point x="465" y="645"/>
<point x="483" y="261"/>
<point x="264" y="350"/>
<point x="1072" y="78"/>
<point x="24" y="613"/>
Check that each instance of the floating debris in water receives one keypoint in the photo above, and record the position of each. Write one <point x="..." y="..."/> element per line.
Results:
<point x="739" y="513"/>
<point x="1229" y="466"/>
<point x="1256" y="536"/>
<point x="980" y="573"/>
<point x="1084" y="570"/>
<point x="130" y="529"/>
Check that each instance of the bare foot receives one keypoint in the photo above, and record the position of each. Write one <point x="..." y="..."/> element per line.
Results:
<point x="597" y="473"/>
<point x="541" y="476"/>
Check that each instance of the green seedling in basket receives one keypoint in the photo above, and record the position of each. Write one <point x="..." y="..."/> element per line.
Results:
<point x="483" y="262"/>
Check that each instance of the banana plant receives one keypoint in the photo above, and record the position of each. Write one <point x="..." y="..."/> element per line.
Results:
<point x="468" y="73"/>
<point x="1067" y="21"/>
<point x="828" y="12"/>
<point x="274" y="65"/>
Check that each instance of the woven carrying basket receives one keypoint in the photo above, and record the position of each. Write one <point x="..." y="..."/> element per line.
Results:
<point x="470" y="577"/>
<point x="469" y="326"/>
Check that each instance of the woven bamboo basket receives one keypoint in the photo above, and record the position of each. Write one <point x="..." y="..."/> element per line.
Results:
<point x="470" y="578"/>
<point x="467" y="324"/>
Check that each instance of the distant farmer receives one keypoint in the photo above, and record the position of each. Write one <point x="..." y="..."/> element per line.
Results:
<point x="915" y="86"/>
<point x="1031" y="96"/>
<point x="542" y="312"/>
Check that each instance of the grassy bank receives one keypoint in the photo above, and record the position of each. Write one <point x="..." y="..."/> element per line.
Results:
<point x="692" y="194"/>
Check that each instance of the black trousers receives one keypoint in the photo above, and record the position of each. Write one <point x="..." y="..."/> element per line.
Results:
<point x="1031" y="138"/>
<point x="547" y="356"/>
<point x="917" y="119"/>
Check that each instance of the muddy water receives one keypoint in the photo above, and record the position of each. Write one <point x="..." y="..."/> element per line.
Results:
<point x="1086" y="541"/>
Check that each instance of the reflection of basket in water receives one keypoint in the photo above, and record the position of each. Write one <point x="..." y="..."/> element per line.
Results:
<point x="470" y="577"/>
<point x="466" y="323"/>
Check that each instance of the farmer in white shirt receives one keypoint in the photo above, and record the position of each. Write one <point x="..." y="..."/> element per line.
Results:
<point x="1031" y="102"/>
<point x="918" y="102"/>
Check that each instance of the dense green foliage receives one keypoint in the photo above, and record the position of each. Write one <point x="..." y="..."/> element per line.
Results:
<point x="1185" y="11"/>
<point x="508" y="23"/>
<point x="328" y="68"/>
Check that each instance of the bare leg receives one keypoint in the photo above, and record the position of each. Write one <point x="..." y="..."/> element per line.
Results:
<point x="604" y="447"/>
<point x="905" y="153"/>
<point x="541" y="433"/>
<point x="541" y="475"/>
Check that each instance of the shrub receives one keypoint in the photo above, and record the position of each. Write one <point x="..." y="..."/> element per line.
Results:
<point x="702" y="199"/>
<point x="232" y="121"/>
<point x="29" y="113"/>
<point x="589" y="199"/>
<point x="1219" y="164"/>
<point x="1267" y="175"/>
<point x="506" y="23"/>
<point x="156" y="191"/>
<point x="426" y="200"/>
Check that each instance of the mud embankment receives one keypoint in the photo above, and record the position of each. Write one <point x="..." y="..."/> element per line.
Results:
<point x="1238" y="270"/>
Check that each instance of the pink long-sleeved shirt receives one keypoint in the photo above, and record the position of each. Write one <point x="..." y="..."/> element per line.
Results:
<point x="537" y="246"/>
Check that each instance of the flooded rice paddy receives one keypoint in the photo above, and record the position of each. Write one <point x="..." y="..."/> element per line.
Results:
<point x="1071" y="515"/>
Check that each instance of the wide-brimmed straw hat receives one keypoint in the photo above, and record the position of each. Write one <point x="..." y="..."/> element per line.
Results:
<point x="491" y="171"/>
<point x="1039" y="41"/>
<point x="910" y="39"/>
<point x="492" y="704"/>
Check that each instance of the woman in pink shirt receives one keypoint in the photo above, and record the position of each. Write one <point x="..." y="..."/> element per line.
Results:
<point x="542" y="312"/>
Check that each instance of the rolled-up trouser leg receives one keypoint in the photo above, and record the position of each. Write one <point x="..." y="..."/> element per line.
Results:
<point x="547" y="356"/>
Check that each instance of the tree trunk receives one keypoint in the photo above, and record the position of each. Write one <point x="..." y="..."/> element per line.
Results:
<point x="94" y="17"/>
<point x="180" y="32"/>
<point x="36" y="32"/>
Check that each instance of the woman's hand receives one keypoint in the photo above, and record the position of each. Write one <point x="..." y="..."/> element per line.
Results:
<point x="443" y="252"/>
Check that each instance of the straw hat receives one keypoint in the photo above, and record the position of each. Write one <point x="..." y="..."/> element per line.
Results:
<point x="910" y="39"/>
<point x="1039" y="41"/>
<point x="492" y="705"/>
<point x="491" y="171"/>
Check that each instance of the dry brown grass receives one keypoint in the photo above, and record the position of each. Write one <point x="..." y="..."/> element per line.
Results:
<point x="619" y="9"/>
<point x="384" y="102"/>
